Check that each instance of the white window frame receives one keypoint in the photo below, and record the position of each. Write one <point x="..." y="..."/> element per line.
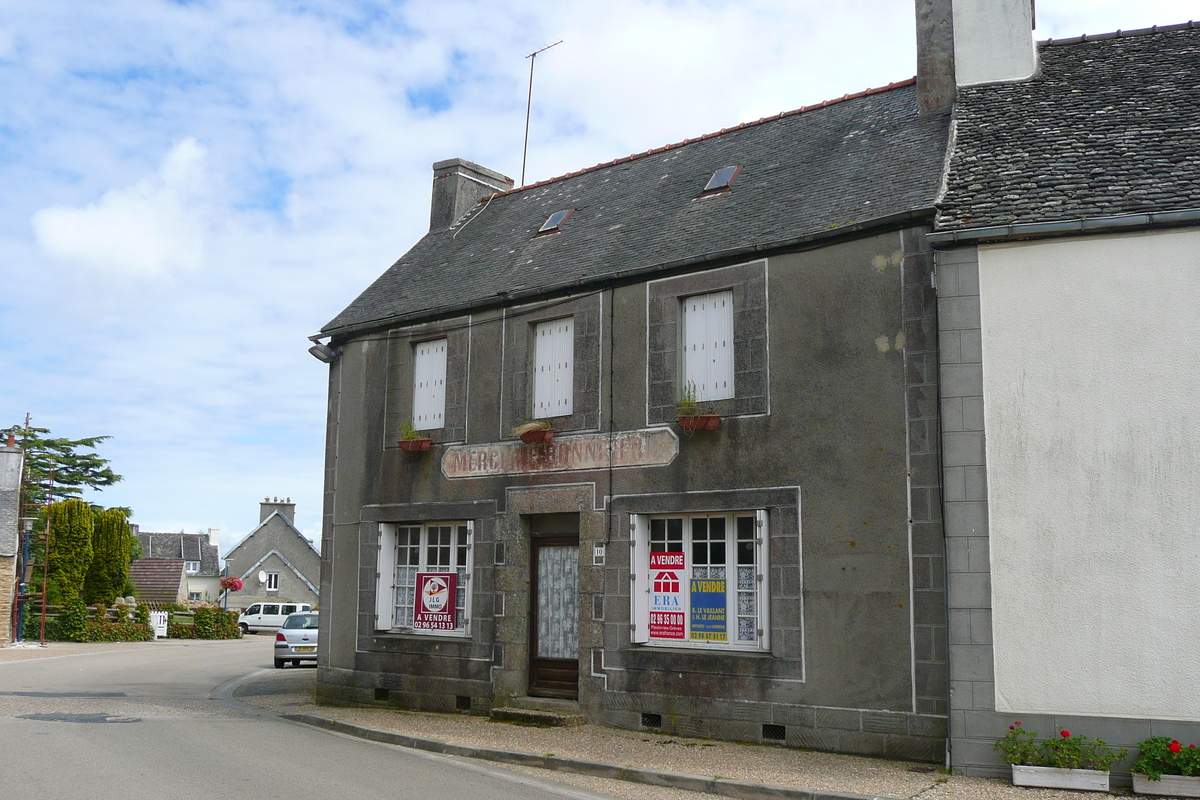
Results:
<point x="272" y="581"/>
<point x="389" y="583"/>
<point x="191" y="567"/>
<point x="553" y="368"/>
<point x="641" y="581"/>
<point x="707" y="338"/>
<point x="429" y="385"/>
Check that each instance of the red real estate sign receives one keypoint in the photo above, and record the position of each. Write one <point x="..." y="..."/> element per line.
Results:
<point x="434" y="606"/>
<point x="666" y="608"/>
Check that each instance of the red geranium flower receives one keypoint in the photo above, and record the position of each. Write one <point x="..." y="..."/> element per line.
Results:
<point x="1065" y="734"/>
<point x="1174" y="746"/>
<point x="1191" y="745"/>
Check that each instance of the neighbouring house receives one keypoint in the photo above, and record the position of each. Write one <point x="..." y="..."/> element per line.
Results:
<point x="159" y="581"/>
<point x="1068" y="277"/>
<point x="201" y="560"/>
<point x="777" y="578"/>
<point x="275" y="561"/>
<point x="12" y="460"/>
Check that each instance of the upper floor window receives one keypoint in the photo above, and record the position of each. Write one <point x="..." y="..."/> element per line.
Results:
<point x="708" y="346"/>
<point x="192" y="567"/>
<point x="553" y="367"/>
<point x="272" y="581"/>
<point x="429" y="385"/>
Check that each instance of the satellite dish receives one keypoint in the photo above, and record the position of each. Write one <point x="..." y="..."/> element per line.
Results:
<point x="262" y="576"/>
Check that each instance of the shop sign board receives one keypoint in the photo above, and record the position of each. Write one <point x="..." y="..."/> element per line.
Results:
<point x="708" y="609"/>
<point x="435" y="600"/>
<point x="652" y="447"/>
<point x="666" y="606"/>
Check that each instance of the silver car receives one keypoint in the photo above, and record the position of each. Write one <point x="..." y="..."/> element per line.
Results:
<point x="297" y="639"/>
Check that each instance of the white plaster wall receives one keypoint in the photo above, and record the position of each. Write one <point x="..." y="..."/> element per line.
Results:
<point x="1091" y="353"/>
<point x="993" y="41"/>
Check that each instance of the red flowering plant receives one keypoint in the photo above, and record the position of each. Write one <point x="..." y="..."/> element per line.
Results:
<point x="231" y="583"/>
<point x="1020" y="746"/>
<point x="1160" y="755"/>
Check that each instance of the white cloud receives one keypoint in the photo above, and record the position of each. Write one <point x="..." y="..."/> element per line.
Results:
<point x="152" y="227"/>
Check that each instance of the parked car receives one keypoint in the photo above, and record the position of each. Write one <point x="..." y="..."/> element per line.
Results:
<point x="297" y="639"/>
<point x="268" y="616"/>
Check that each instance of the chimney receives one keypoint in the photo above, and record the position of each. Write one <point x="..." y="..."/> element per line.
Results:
<point x="269" y="506"/>
<point x="993" y="41"/>
<point x="935" y="54"/>
<point x="458" y="185"/>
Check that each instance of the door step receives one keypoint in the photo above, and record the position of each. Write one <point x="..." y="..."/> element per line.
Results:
<point x="546" y="712"/>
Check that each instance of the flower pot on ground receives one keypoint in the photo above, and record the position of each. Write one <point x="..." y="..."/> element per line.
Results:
<point x="534" y="432"/>
<point x="1060" y="761"/>
<point x="410" y="440"/>
<point x="1166" y="767"/>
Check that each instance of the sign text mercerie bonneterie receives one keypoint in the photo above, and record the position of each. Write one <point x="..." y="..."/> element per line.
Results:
<point x="644" y="448"/>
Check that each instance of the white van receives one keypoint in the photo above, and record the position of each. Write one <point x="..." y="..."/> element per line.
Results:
<point x="268" y="616"/>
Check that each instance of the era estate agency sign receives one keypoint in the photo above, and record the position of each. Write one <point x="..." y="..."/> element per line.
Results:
<point x="434" y="608"/>
<point x="652" y="447"/>
<point x="666" y="604"/>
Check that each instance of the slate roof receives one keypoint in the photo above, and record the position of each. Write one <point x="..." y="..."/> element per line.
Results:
<point x="819" y="171"/>
<point x="159" y="580"/>
<point x="186" y="546"/>
<point x="1109" y="126"/>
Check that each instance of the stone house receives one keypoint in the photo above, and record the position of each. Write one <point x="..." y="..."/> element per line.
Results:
<point x="202" y="562"/>
<point x="12" y="460"/>
<point x="275" y="561"/>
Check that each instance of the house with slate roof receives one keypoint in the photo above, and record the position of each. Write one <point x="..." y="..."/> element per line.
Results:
<point x="1068" y="271"/>
<point x="202" y="562"/>
<point x="943" y="330"/>
<point x="159" y="581"/>
<point x="275" y="561"/>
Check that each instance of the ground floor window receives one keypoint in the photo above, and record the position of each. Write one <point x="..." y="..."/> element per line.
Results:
<point x="700" y="580"/>
<point x="424" y="575"/>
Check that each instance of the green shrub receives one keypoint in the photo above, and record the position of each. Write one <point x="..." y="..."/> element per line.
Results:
<point x="103" y="630"/>
<point x="72" y="621"/>
<point x="141" y="614"/>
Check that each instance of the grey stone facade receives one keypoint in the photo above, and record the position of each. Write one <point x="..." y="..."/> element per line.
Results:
<point x="833" y="433"/>
<point x="275" y="546"/>
<point x="11" y="462"/>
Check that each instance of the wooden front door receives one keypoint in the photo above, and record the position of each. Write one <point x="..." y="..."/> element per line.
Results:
<point x="554" y="616"/>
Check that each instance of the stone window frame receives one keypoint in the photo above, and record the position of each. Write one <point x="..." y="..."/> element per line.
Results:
<point x="751" y="343"/>
<point x="518" y="363"/>
<point x="401" y="357"/>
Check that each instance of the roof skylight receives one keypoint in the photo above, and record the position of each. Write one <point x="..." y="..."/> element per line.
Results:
<point x="722" y="178"/>
<point x="555" y="221"/>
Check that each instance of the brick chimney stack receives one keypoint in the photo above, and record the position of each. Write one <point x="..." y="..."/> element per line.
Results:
<point x="458" y="185"/>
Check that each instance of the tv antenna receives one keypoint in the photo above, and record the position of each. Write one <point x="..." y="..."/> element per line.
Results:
<point x="529" y="103"/>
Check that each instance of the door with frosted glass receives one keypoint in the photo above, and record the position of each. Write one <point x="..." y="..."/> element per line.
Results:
<point x="554" y="618"/>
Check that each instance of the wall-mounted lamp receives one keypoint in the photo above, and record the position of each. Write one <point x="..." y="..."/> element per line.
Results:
<point x="323" y="352"/>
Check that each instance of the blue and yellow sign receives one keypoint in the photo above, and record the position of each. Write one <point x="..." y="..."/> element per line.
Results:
<point x="708" y="610"/>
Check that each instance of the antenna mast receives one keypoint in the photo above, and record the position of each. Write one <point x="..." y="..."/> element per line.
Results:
<point x="529" y="103"/>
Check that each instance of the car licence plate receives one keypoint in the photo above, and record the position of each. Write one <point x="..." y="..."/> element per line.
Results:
<point x="305" y="649"/>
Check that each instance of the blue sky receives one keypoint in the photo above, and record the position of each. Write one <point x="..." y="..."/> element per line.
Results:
<point x="193" y="188"/>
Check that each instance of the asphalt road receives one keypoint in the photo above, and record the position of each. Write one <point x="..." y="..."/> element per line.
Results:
<point x="160" y="721"/>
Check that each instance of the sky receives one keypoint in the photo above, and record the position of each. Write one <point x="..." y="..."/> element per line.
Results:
<point x="191" y="188"/>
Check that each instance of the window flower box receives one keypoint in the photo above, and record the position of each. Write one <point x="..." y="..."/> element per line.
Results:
<point x="1085" y="780"/>
<point x="699" y="422"/>
<point x="415" y="445"/>
<point x="534" y="432"/>
<point x="1166" y="767"/>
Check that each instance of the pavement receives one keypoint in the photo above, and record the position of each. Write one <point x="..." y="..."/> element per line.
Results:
<point x="606" y="759"/>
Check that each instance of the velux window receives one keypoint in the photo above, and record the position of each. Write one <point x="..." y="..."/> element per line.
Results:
<point x="721" y="179"/>
<point x="429" y="385"/>
<point x="553" y="367"/>
<point x="700" y="580"/>
<point x="424" y="575"/>
<point x="708" y="346"/>
<point x="555" y="221"/>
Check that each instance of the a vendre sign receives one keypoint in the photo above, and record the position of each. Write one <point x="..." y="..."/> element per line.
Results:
<point x="436" y="594"/>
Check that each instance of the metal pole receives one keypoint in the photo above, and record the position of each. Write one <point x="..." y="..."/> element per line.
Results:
<point x="529" y="104"/>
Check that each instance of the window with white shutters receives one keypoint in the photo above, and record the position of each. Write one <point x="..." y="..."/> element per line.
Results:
<point x="553" y="368"/>
<point x="700" y="580"/>
<point x="429" y="385"/>
<point x="405" y="551"/>
<point x="708" y="346"/>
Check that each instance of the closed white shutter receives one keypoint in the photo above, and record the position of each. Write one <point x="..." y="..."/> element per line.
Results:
<point x="639" y="584"/>
<point x="429" y="385"/>
<point x="763" y="542"/>
<point x="553" y="368"/>
<point x="708" y="345"/>
<point x="385" y="579"/>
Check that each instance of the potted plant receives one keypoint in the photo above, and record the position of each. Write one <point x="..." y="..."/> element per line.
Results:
<point x="411" y="441"/>
<point x="534" y="432"/>
<point x="1166" y="767"/>
<point x="691" y="416"/>
<point x="1059" y="762"/>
